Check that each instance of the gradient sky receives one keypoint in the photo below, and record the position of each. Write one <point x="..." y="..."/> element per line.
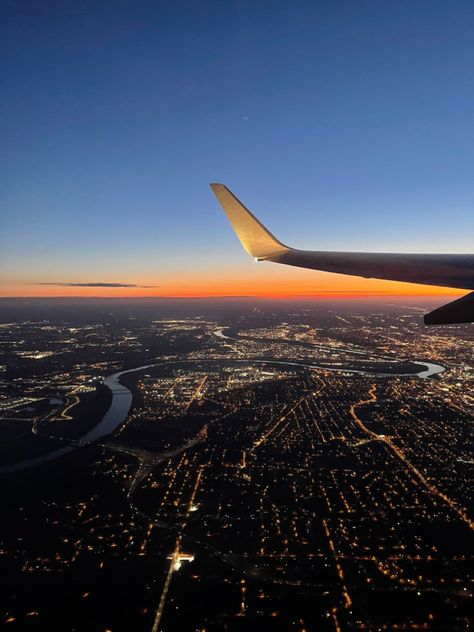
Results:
<point x="342" y="125"/>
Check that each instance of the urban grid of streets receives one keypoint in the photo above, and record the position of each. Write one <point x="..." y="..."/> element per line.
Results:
<point x="269" y="475"/>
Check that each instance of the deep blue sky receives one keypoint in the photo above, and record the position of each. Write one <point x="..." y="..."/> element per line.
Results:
<point x="342" y="125"/>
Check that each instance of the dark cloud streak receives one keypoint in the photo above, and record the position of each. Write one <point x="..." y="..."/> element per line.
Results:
<point x="97" y="284"/>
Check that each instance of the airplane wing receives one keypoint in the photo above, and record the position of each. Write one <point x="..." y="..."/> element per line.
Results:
<point x="451" y="271"/>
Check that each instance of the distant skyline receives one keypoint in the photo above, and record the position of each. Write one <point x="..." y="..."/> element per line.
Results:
<point x="343" y="126"/>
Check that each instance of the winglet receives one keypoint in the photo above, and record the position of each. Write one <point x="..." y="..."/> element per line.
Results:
<point x="254" y="237"/>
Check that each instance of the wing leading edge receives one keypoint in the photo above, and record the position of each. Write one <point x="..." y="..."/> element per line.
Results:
<point x="453" y="271"/>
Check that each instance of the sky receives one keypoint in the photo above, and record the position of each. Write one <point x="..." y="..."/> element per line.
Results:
<point x="342" y="125"/>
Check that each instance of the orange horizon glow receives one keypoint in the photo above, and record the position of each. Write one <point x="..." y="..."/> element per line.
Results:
<point x="206" y="280"/>
<point x="338" y="287"/>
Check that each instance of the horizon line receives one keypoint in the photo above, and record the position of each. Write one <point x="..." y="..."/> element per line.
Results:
<point x="329" y="294"/>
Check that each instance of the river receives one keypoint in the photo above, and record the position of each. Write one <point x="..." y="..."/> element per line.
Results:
<point x="122" y="397"/>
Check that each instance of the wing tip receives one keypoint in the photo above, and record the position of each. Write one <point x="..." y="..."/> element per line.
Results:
<point x="256" y="239"/>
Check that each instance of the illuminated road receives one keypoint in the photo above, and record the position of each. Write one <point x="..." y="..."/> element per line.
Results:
<point x="279" y="421"/>
<point x="401" y="455"/>
<point x="71" y="405"/>
<point x="174" y="562"/>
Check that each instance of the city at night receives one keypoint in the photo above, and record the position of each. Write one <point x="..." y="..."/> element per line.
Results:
<point x="210" y="465"/>
<point x="236" y="316"/>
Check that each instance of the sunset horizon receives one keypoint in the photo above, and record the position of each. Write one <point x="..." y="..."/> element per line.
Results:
<point x="242" y="291"/>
